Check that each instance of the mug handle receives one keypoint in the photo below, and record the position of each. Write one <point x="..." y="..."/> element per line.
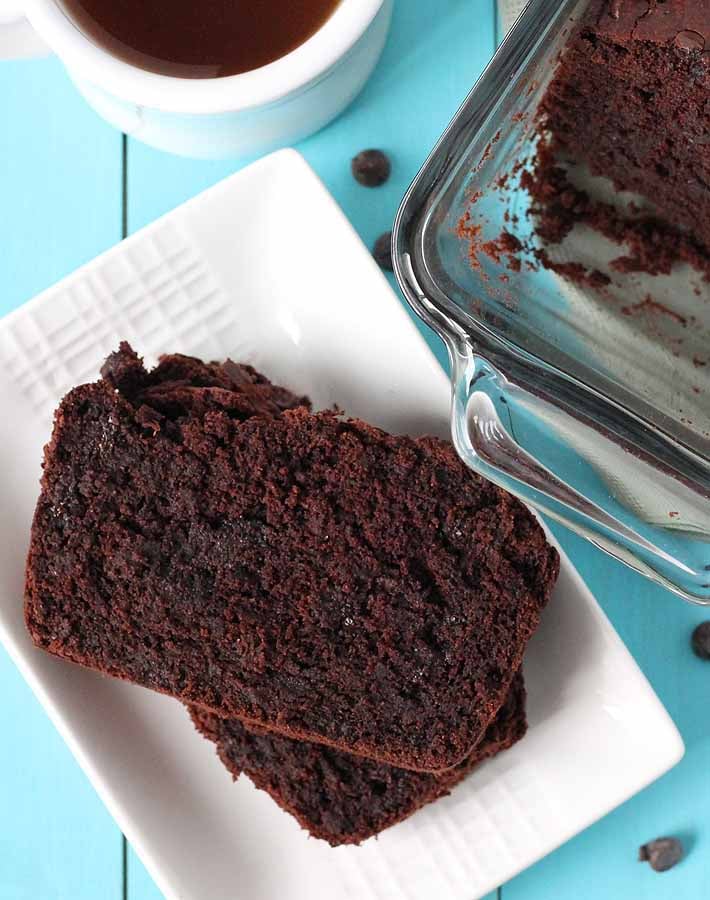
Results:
<point x="18" y="39"/>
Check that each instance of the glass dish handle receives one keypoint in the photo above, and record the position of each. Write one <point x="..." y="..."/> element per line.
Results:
<point x="483" y="397"/>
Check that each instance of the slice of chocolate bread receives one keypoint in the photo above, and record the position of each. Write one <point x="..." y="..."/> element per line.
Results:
<point x="340" y="798"/>
<point x="312" y="575"/>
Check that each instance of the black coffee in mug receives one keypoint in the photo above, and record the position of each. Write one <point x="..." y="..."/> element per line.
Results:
<point x="199" y="38"/>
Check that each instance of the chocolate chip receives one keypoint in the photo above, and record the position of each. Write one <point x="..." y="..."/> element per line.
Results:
<point x="689" y="40"/>
<point x="700" y="641"/>
<point x="371" y="168"/>
<point x="382" y="251"/>
<point x="661" y="854"/>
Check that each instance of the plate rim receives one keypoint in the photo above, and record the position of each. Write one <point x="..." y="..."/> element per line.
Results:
<point x="102" y="784"/>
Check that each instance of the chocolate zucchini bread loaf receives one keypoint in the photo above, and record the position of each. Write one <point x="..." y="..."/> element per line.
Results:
<point x="630" y="97"/>
<point x="340" y="798"/>
<point x="200" y="532"/>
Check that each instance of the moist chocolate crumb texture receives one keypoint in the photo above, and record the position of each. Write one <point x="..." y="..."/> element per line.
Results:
<point x="340" y="798"/>
<point x="631" y="98"/>
<point x="201" y="532"/>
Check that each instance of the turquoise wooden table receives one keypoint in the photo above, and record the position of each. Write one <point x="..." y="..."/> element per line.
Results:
<point x="71" y="187"/>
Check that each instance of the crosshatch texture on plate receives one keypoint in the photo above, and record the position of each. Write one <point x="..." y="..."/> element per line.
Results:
<point x="490" y="823"/>
<point x="155" y="290"/>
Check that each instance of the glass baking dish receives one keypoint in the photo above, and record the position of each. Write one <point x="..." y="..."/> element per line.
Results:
<point x="596" y="417"/>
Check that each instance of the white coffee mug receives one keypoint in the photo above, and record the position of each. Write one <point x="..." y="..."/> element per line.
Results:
<point x="238" y="115"/>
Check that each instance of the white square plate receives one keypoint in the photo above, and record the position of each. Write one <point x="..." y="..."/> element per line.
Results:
<point x="264" y="268"/>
